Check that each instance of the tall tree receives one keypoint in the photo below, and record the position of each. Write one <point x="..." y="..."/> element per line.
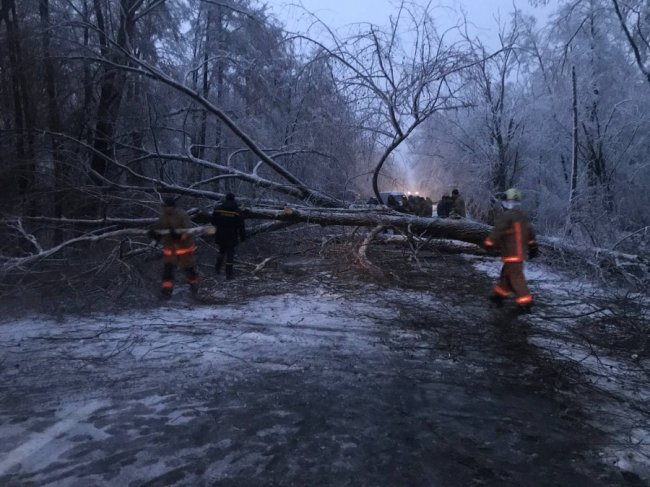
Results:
<point x="114" y="47"/>
<point x="22" y="105"/>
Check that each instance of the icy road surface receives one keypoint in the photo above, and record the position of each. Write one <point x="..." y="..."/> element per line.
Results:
<point x="362" y="386"/>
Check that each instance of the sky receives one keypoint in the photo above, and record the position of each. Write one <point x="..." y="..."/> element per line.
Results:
<point x="483" y="17"/>
<point x="338" y="13"/>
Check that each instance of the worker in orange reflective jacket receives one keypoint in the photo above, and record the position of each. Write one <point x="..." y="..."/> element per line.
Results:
<point x="178" y="247"/>
<point x="514" y="237"/>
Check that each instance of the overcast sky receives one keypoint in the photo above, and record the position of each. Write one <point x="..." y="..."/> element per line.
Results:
<point x="338" y="13"/>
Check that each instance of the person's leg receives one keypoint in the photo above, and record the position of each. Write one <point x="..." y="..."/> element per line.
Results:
<point x="523" y="297"/>
<point x="220" y="257"/>
<point x="168" y="275"/>
<point x="230" y="259"/>
<point x="502" y="288"/>
<point x="188" y="263"/>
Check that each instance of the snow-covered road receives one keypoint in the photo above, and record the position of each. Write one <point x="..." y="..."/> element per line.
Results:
<point x="323" y="385"/>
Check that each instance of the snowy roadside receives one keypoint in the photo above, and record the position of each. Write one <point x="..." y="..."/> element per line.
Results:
<point x="621" y="382"/>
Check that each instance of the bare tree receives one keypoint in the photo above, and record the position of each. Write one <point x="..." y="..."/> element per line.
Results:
<point x="399" y="77"/>
<point x="634" y="17"/>
<point x="503" y="120"/>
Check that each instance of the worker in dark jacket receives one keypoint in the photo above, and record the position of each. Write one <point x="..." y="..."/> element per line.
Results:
<point x="444" y="206"/>
<point x="230" y="230"/>
<point x="178" y="247"/>
<point x="513" y="236"/>
<point x="457" y="205"/>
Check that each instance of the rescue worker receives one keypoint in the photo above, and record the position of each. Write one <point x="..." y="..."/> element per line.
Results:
<point x="457" y="205"/>
<point x="513" y="236"/>
<point x="392" y="202"/>
<point x="229" y="222"/>
<point x="444" y="206"/>
<point x="178" y="248"/>
<point x="428" y="207"/>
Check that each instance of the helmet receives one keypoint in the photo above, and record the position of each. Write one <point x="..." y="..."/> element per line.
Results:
<point x="513" y="194"/>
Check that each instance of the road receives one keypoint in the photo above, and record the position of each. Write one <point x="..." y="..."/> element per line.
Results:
<point x="319" y="382"/>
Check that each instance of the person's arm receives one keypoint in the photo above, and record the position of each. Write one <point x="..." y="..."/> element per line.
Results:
<point x="459" y="206"/>
<point x="152" y="233"/>
<point x="242" y="229"/>
<point x="185" y="223"/>
<point x="533" y="249"/>
<point x="500" y="225"/>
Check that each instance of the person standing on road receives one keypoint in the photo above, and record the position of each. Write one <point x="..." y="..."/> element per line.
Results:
<point x="513" y="236"/>
<point x="230" y="230"/>
<point x="444" y="206"/>
<point x="457" y="205"/>
<point x="178" y="248"/>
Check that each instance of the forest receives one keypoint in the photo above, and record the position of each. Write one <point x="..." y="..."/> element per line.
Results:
<point x="108" y="105"/>
<point x="348" y="343"/>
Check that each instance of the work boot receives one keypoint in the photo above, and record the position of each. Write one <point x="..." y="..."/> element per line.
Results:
<point x="194" y="288"/>
<point x="524" y="309"/>
<point x="497" y="300"/>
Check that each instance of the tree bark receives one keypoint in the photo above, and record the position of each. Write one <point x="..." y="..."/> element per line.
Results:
<point x="464" y="230"/>
<point x="23" y="116"/>
<point x="112" y="86"/>
<point x="54" y="118"/>
<point x="574" y="151"/>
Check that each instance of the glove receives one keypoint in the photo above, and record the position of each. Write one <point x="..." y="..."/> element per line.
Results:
<point x="533" y="252"/>
<point x="153" y="235"/>
<point x="491" y="249"/>
<point x="492" y="252"/>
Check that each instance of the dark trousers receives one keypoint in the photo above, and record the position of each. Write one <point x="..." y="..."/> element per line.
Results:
<point x="226" y="253"/>
<point x="170" y="260"/>
<point x="168" y="276"/>
<point x="512" y="281"/>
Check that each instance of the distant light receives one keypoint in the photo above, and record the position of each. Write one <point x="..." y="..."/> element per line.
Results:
<point x="417" y="192"/>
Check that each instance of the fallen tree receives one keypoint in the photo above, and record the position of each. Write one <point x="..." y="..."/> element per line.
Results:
<point x="471" y="233"/>
<point x="464" y="230"/>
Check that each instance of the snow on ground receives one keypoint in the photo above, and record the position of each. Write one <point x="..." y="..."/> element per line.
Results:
<point x="286" y="333"/>
<point x="362" y="386"/>
<point x="625" y="380"/>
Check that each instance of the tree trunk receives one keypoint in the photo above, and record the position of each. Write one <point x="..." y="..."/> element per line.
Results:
<point x="464" y="230"/>
<point x="112" y="83"/>
<point x="22" y="106"/>
<point x="54" y="119"/>
<point x="574" y="151"/>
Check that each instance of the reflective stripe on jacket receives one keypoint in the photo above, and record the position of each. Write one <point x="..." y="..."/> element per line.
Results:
<point x="172" y="218"/>
<point x="512" y="235"/>
<point x="168" y="251"/>
<point x="229" y="224"/>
